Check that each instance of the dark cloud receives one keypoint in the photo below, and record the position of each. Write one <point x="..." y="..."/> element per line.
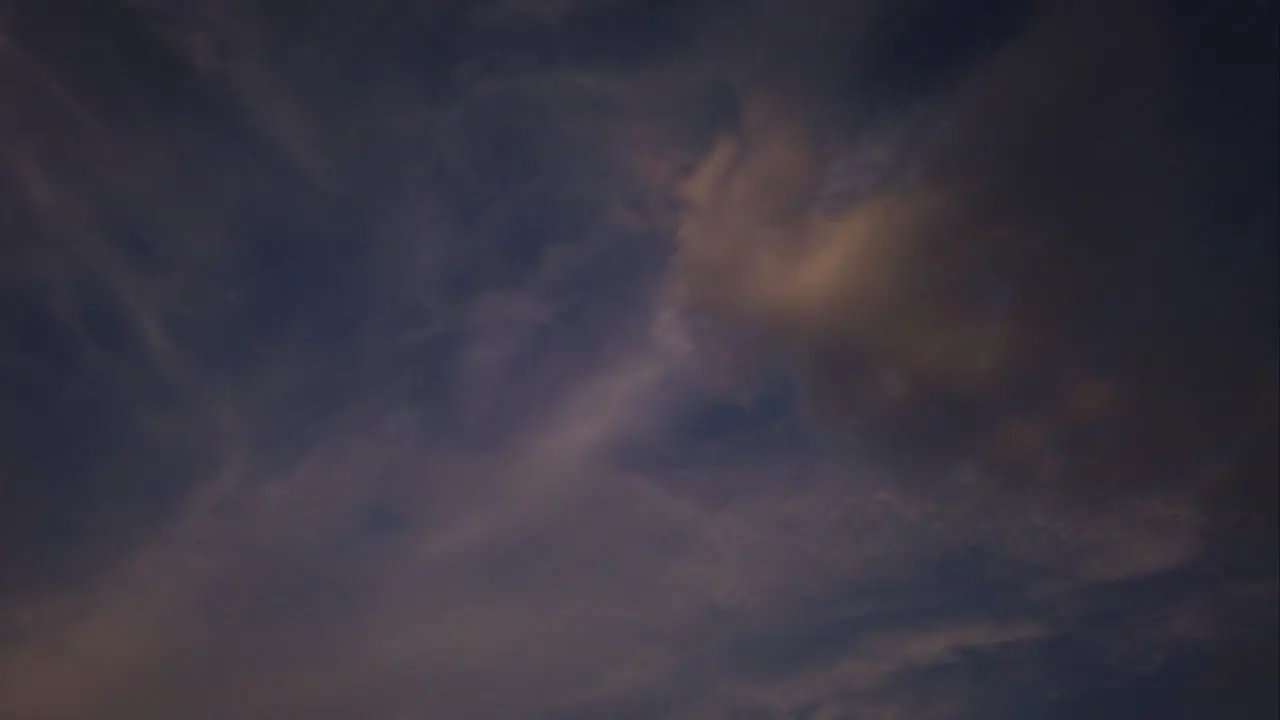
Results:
<point x="1058" y="236"/>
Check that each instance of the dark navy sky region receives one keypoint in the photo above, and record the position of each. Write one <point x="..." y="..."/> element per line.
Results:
<point x="568" y="359"/>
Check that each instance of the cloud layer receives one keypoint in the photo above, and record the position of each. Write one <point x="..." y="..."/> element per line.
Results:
<point x="611" y="359"/>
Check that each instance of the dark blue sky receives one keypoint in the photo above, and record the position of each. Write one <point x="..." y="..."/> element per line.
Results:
<point x="619" y="359"/>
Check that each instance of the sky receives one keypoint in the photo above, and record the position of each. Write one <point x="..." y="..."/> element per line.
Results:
<point x="568" y="359"/>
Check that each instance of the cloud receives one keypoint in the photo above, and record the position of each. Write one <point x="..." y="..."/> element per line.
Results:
<point x="982" y="281"/>
<point x="754" y="242"/>
<point x="869" y="667"/>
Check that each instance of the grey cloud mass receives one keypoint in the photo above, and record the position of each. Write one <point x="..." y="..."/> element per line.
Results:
<point x="611" y="359"/>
